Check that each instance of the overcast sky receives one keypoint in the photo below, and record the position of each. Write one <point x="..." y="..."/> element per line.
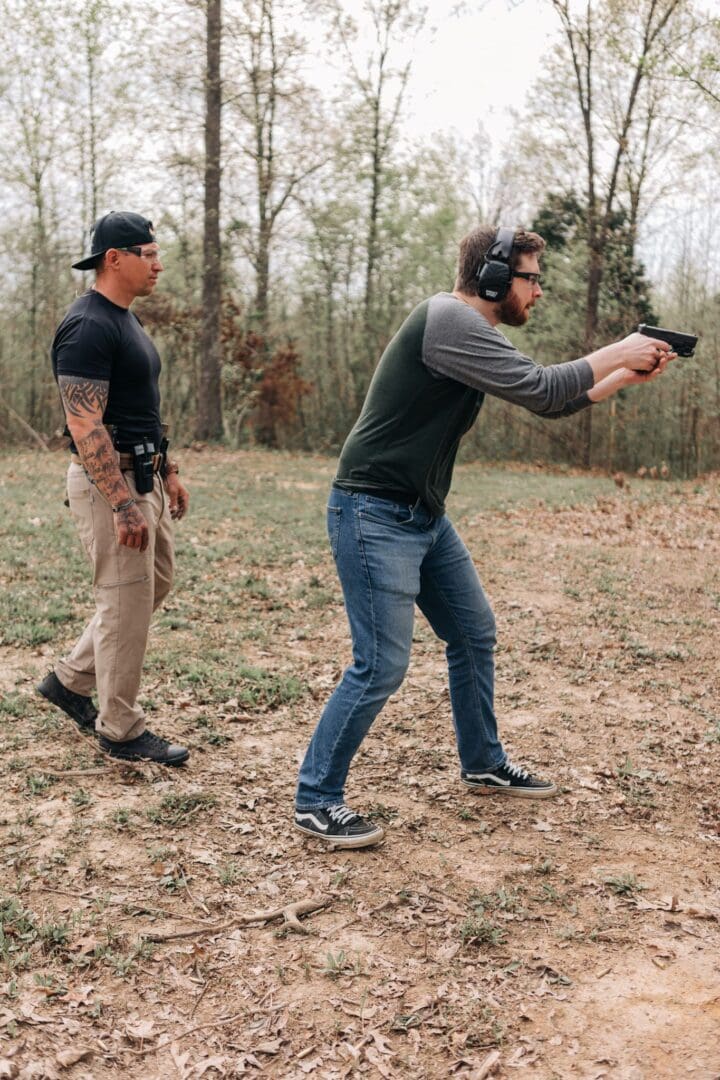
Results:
<point x="473" y="60"/>
<point x="476" y="64"/>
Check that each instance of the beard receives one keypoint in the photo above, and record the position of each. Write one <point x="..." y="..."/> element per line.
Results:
<point x="513" y="312"/>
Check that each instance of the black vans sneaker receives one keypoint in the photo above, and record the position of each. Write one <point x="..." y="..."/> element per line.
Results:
<point x="509" y="779"/>
<point x="339" y="826"/>
<point x="146" y="747"/>
<point x="79" y="708"/>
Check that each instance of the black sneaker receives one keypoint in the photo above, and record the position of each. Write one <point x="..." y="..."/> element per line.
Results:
<point x="509" y="779"/>
<point x="339" y="825"/>
<point x="146" y="747"/>
<point x="79" y="708"/>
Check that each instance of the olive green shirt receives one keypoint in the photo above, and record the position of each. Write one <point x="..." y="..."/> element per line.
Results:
<point x="427" y="391"/>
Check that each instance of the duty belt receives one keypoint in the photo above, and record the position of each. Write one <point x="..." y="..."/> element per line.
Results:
<point x="125" y="461"/>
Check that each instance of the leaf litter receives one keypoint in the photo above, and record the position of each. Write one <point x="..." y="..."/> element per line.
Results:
<point x="607" y="680"/>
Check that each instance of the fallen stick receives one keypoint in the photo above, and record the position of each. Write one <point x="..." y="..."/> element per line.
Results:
<point x="99" y="770"/>
<point x="74" y="772"/>
<point x="290" y="913"/>
<point x="139" y="908"/>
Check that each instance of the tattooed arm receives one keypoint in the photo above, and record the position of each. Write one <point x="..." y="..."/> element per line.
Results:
<point x="84" y="401"/>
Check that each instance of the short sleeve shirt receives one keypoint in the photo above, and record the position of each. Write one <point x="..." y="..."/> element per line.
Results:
<point x="99" y="340"/>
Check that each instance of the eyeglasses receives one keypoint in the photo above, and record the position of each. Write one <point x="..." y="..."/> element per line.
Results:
<point x="149" y="256"/>
<point x="534" y="279"/>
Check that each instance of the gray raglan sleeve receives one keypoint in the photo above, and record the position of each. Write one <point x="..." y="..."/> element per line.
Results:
<point x="461" y="344"/>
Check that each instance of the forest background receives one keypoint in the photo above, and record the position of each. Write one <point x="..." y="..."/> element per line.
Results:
<point x="300" y="220"/>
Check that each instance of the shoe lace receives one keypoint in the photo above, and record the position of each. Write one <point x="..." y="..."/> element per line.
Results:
<point x="516" y="770"/>
<point x="342" y="814"/>
<point x="150" y="739"/>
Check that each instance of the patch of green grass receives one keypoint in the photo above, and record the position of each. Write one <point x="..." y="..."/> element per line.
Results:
<point x="80" y="798"/>
<point x="479" y="929"/>
<point x="215" y="676"/>
<point x="337" y="964"/>
<point x="176" y="809"/>
<point x="173" y="879"/>
<point x="17" y="706"/>
<point x="46" y="561"/>
<point x="209" y="733"/>
<point x="18" y="930"/>
<point x="230" y="873"/>
<point x="54" y="936"/>
<point x="501" y="899"/>
<point x="713" y="736"/>
<point x="121" y="818"/>
<point x="380" y="812"/>
<point x="623" y="884"/>
<point x="38" y="783"/>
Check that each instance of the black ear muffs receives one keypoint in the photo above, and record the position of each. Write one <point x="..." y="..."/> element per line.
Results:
<point x="494" y="276"/>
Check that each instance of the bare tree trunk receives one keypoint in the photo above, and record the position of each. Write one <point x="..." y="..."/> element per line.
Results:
<point x="92" y="130"/>
<point x="209" y="423"/>
<point x="262" y="280"/>
<point x="376" y="177"/>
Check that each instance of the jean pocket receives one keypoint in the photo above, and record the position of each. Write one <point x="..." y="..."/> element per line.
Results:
<point x="333" y="528"/>
<point x="385" y="512"/>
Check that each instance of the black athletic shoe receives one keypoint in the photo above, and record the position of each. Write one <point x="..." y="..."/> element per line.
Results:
<point x="509" y="779"/>
<point x="339" y="826"/>
<point x="79" y="708"/>
<point x="146" y="747"/>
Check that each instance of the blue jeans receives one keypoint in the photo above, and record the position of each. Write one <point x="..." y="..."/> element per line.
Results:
<point x="389" y="557"/>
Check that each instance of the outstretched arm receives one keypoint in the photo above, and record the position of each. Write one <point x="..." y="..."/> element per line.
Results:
<point x="84" y="401"/>
<point x="636" y="353"/>
<point x="626" y="376"/>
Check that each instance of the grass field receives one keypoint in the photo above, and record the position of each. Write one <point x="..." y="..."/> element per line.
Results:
<point x="574" y="938"/>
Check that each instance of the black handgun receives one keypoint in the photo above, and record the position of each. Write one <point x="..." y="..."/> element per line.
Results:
<point x="143" y="466"/>
<point x="682" y="344"/>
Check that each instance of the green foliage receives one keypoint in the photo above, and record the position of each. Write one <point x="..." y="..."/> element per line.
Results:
<point x="481" y="930"/>
<point x="18" y="929"/>
<point x="175" y="809"/>
<point x="623" y="884"/>
<point x="624" y="297"/>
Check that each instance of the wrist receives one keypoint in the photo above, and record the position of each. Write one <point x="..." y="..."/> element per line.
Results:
<point x="123" y="505"/>
<point x="171" y="467"/>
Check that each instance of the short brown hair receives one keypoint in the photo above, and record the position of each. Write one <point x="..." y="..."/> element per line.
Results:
<point x="475" y="244"/>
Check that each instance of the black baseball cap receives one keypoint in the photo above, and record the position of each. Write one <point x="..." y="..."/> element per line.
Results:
<point x="117" y="229"/>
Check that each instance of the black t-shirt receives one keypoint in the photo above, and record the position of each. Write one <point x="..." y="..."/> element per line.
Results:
<point x="100" y="340"/>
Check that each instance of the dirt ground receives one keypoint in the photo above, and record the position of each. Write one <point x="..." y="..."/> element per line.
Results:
<point x="577" y="937"/>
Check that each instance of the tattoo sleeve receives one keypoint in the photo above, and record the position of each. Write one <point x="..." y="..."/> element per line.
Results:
<point x="83" y="397"/>
<point x="84" y="401"/>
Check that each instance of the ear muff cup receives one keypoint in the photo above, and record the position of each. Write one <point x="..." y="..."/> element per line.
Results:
<point x="494" y="276"/>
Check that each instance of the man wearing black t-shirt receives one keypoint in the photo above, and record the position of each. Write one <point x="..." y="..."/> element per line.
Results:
<point x="122" y="491"/>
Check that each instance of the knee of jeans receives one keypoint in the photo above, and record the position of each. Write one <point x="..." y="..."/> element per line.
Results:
<point x="483" y="638"/>
<point x="390" y="673"/>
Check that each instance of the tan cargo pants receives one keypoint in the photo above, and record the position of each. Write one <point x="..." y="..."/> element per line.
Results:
<point x="128" y="586"/>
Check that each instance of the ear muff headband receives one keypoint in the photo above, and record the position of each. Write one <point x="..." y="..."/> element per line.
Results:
<point x="494" y="276"/>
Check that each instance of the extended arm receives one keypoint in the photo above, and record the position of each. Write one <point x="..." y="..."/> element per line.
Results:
<point x="84" y="401"/>
<point x="461" y="344"/>
<point x="636" y="355"/>
<point x="626" y="376"/>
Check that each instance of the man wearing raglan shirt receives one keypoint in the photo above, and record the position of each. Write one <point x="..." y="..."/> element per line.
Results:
<point x="393" y="545"/>
<point x="122" y="490"/>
